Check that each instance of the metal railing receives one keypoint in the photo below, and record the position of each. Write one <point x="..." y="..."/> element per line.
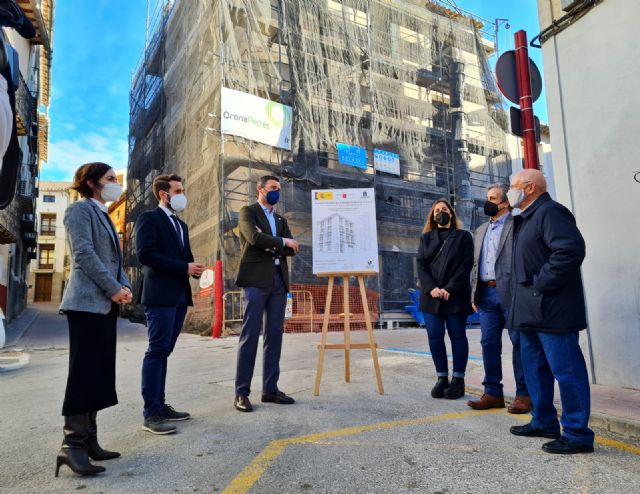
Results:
<point x="233" y="308"/>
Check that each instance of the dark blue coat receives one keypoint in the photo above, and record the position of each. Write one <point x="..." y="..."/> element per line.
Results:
<point x="547" y="285"/>
<point x="166" y="281"/>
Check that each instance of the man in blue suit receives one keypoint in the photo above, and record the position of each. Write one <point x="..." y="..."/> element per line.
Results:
<point x="266" y="242"/>
<point x="162" y="246"/>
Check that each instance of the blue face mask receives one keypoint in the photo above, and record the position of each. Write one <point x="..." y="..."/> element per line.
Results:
<point x="273" y="197"/>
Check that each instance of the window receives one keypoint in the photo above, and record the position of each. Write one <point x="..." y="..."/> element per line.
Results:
<point x="47" y="256"/>
<point x="48" y="224"/>
<point x="48" y="198"/>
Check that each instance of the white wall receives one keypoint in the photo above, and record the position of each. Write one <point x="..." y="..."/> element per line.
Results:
<point x="58" y="208"/>
<point x="592" y="75"/>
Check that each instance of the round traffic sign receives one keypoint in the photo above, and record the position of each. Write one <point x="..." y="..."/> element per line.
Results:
<point x="507" y="78"/>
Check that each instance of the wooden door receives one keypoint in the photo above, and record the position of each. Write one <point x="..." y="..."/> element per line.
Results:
<point x="43" y="288"/>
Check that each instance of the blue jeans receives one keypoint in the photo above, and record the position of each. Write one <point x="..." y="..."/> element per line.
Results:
<point x="163" y="326"/>
<point x="546" y="356"/>
<point x="456" y="325"/>
<point x="492" y="320"/>
<point x="257" y="301"/>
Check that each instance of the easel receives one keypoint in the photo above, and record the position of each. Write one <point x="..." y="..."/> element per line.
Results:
<point x="347" y="346"/>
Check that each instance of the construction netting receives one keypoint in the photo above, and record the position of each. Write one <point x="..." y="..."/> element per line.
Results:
<point x="412" y="78"/>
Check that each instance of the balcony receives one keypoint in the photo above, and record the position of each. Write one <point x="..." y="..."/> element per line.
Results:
<point x="26" y="111"/>
<point x="48" y="231"/>
<point x="29" y="239"/>
<point x="28" y="223"/>
<point x="41" y="19"/>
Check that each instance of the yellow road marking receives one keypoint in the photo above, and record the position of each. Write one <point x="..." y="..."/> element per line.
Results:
<point x="245" y="480"/>
<point x="612" y="443"/>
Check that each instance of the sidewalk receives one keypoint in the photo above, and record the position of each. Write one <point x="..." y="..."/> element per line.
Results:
<point x="20" y="325"/>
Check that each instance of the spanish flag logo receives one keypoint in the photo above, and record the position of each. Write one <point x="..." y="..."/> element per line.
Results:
<point x="324" y="196"/>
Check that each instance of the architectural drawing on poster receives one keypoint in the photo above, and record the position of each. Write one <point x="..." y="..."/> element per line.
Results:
<point x="344" y="231"/>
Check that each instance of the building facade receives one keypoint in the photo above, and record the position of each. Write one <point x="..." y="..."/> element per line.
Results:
<point x="406" y="77"/>
<point x="596" y="173"/>
<point x="49" y="270"/>
<point x="29" y="72"/>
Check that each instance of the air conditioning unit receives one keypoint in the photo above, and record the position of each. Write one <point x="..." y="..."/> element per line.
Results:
<point x="568" y="5"/>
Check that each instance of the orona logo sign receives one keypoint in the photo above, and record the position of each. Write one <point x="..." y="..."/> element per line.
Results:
<point x="276" y="114"/>
<point x="256" y="118"/>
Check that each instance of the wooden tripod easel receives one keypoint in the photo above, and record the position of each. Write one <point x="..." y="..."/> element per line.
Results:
<point x="347" y="346"/>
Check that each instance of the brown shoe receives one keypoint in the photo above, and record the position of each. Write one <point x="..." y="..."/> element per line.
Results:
<point x="522" y="404"/>
<point x="486" y="402"/>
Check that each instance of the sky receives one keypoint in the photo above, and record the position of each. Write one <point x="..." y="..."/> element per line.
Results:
<point x="98" y="44"/>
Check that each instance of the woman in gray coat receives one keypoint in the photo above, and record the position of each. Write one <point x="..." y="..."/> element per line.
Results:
<point x="97" y="285"/>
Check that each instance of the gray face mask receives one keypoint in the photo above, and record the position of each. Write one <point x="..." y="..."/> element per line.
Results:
<point x="515" y="196"/>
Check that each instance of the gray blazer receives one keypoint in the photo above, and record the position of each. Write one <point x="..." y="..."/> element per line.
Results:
<point x="503" y="262"/>
<point x="96" y="259"/>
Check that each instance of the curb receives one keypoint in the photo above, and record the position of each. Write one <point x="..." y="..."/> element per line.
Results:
<point x="19" y="326"/>
<point x="608" y="424"/>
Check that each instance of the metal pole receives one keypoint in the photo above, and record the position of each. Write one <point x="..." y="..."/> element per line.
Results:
<point x="527" y="119"/>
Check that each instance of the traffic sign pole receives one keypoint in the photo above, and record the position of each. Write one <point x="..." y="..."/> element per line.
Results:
<point x="527" y="120"/>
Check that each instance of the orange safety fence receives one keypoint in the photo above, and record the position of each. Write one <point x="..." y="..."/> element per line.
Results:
<point x="308" y="308"/>
<point x="309" y="312"/>
<point x="302" y="317"/>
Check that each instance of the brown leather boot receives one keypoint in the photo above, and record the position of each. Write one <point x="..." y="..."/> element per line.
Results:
<point x="486" y="402"/>
<point x="522" y="404"/>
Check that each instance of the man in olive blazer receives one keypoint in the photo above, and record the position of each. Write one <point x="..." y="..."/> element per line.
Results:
<point x="266" y="242"/>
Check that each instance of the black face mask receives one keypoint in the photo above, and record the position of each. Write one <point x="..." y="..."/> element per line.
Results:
<point x="491" y="208"/>
<point x="442" y="218"/>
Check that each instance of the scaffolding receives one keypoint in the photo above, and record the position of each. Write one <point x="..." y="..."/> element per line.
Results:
<point x="402" y="76"/>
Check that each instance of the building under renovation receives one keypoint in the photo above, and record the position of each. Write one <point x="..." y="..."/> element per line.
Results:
<point x="406" y="77"/>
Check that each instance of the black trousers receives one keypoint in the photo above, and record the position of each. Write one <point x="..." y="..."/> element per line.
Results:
<point x="91" y="384"/>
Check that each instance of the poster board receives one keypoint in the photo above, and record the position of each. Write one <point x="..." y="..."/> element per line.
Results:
<point x="345" y="238"/>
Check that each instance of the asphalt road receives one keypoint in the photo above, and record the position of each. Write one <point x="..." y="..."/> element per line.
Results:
<point x="347" y="440"/>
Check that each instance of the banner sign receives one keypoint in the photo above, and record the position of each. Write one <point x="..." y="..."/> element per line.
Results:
<point x="255" y="118"/>
<point x="344" y="231"/>
<point x="352" y="155"/>
<point x="385" y="161"/>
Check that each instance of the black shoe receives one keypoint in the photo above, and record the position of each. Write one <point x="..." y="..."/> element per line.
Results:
<point x="74" y="451"/>
<point x="95" y="450"/>
<point x="455" y="389"/>
<point x="528" y="431"/>
<point x="78" y="461"/>
<point x="562" y="446"/>
<point x="170" y="415"/>
<point x="280" y="398"/>
<point x="243" y="404"/>
<point x="441" y="385"/>
<point x="158" y="425"/>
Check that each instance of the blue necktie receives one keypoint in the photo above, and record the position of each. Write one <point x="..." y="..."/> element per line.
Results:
<point x="177" y="227"/>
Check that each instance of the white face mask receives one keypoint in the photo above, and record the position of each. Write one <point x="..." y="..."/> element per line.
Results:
<point x="111" y="191"/>
<point x="515" y="196"/>
<point x="178" y="202"/>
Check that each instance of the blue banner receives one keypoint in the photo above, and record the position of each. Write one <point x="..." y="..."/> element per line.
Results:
<point x="352" y="155"/>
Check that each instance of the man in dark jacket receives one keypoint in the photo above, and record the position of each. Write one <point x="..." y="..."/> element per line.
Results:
<point x="163" y="248"/>
<point x="548" y="309"/>
<point x="266" y="242"/>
